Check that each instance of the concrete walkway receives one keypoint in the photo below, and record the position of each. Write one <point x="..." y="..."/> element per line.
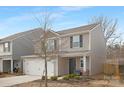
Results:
<point x="10" y="81"/>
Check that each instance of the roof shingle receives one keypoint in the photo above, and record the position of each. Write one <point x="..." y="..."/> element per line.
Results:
<point x="77" y="29"/>
<point x="14" y="36"/>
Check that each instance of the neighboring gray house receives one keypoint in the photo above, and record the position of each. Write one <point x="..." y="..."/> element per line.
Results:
<point x="15" y="46"/>
<point x="81" y="48"/>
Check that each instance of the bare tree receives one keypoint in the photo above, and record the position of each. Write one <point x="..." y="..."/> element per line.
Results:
<point x="45" y="51"/>
<point x="45" y="23"/>
<point x="108" y="26"/>
<point x="114" y="55"/>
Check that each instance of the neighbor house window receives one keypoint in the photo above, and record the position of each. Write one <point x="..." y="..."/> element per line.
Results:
<point x="6" y="47"/>
<point x="52" y="44"/>
<point x="76" y="41"/>
<point x="1" y="47"/>
<point x="81" y="62"/>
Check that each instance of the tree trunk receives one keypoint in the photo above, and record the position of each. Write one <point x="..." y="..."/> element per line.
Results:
<point x="45" y="72"/>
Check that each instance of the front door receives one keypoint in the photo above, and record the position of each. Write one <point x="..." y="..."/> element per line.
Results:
<point x="72" y="65"/>
<point x="6" y="65"/>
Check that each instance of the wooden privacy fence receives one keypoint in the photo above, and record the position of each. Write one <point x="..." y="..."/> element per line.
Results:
<point x="112" y="70"/>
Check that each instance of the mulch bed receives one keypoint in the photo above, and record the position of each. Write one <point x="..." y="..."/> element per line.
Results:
<point x="93" y="81"/>
<point x="60" y="83"/>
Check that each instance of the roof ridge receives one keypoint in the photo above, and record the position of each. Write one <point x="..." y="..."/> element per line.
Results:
<point x="78" y="27"/>
<point x="21" y="32"/>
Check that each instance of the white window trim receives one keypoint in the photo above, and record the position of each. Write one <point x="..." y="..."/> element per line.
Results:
<point x="6" y="45"/>
<point x="76" y="39"/>
<point x="51" y="44"/>
<point x="80" y="62"/>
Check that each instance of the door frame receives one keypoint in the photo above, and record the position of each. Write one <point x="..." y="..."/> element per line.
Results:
<point x="6" y="63"/>
<point x="72" y="65"/>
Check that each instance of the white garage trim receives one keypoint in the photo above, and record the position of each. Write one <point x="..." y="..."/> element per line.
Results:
<point x="35" y="66"/>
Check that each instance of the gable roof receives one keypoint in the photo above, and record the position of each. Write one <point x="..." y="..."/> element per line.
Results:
<point x="77" y="29"/>
<point x="17" y="35"/>
<point x="37" y="30"/>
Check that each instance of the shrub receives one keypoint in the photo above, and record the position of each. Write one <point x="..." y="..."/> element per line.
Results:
<point x="66" y="77"/>
<point x="77" y="77"/>
<point x="72" y="75"/>
<point x="54" y="78"/>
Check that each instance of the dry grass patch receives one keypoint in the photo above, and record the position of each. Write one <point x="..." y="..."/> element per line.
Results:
<point x="2" y="75"/>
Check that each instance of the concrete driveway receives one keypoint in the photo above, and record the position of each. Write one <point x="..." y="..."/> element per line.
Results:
<point x="10" y="81"/>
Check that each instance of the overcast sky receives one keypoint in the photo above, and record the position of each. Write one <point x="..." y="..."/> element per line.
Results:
<point x="18" y="19"/>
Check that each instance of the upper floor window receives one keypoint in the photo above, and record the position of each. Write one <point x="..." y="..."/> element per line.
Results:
<point x="51" y="44"/>
<point x="6" y="47"/>
<point x="76" y="41"/>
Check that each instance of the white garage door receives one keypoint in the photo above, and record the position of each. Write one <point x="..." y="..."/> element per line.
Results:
<point x="36" y="67"/>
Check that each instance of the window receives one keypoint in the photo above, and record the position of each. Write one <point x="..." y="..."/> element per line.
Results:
<point x="1" y="47"/>
<point x="76" y="41"/>
<point x="52" y="44"/>
<point x="6" y="47"/>
<point x="55" y="44"/>
<point x="81" y="62"/>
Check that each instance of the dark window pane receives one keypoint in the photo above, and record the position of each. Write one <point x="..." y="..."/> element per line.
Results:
<point x="71" y="40"/>
<point x="81" y="63"/>
<point x="55" y="44"/>
<point x="81" y="41"/>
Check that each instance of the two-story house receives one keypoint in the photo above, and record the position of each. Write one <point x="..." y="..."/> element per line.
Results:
<point x="15" y="46"/>
<point x="78" y="49"/>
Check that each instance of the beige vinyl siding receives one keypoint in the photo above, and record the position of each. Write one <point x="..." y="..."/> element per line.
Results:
<point x="63" y="66"/>
<point x="97" y="50"/>
<point x="25" y="45"/>
<point x="22" y="47"/>
<point x="51" y="36"/>
<point x="66" y="43"/>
